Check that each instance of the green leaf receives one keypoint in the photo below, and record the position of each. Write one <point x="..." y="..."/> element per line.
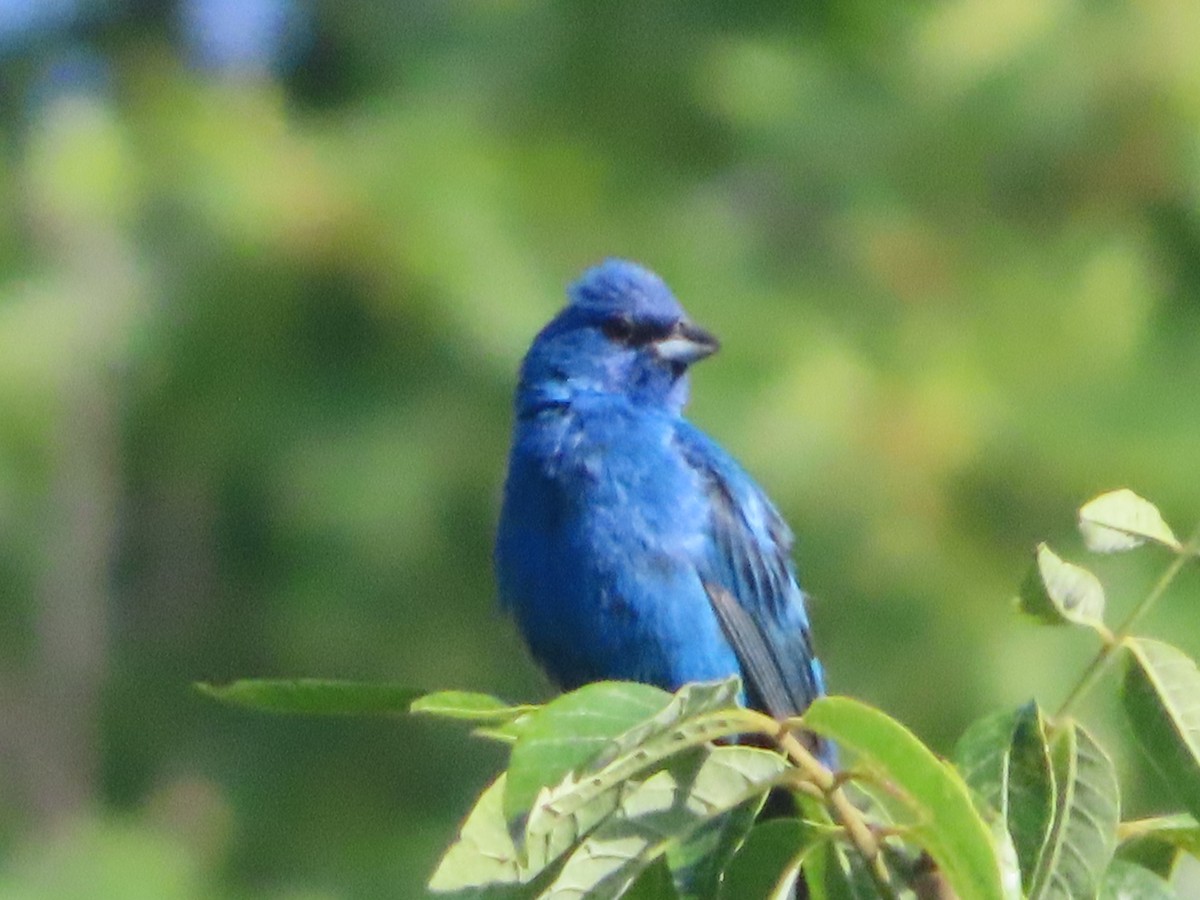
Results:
<point x="571" y="730"/>
<point x="505" y="732"/>
<point x="1006" y="857"/>
<point x="552" y="741"/>
<point x="831" y="871"/>
<point x="1127" y="881"/>
<point x="834" y="873"/>
<point x="313" y="696"/>
<point x="690" y="702"/>
<point x="1081" y="843"/>
<point x="1058" y="592"/>
<point x="927" y="794"/>
<point x="1161" y="696"/>
<point x="484" y="853"/>
<point x="468" y="706"/>
<point x="1156" y="856"/>
<point x="982" y="758"/>
<point x="666" y="809"/>
<point x="1031" y="790"/>
<point x="562" y="814"/>
<point x="766" y="865"/>
<point x="1156" y="843"/>
<point x="1121" y="520"/>
<point x="1005" y="759"/>
<point x="653" y="884"/>
<point x="1180" y="827"/>
<point x="697" y="864"/>
<point x="1180" y="830"/>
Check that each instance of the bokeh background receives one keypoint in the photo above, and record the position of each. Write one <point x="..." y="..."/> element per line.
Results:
<point x="267" y="268"/>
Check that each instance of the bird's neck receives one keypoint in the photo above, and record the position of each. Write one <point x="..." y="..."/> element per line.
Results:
<point x="535" y="400"/>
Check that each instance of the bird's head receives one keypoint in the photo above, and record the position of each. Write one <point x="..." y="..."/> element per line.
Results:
<point x="622" y="333"/>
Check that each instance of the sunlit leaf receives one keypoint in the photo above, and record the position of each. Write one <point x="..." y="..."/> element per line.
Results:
<point x="931" y="798"/>
<point x="313" y="696"/>
<point x="1161" y="696"/>
<point x="484" y="853"/>
<point x="587" y="729"/>
<point x="669" y="807"/>
<point x="1121" y="520"/>
<point x="468" y="706"/>
<point x="569" y="731"/>
<point x="1059" y="592"/>
<point x="1084" y="835"/>
<point x="1181" y="830"/>
<point x="503" y="732"/>
<point x="687" y="704"/>
<point x="1127" y="881"/>
<point x="563" y="813"/>
<point x="1006" y="856"/>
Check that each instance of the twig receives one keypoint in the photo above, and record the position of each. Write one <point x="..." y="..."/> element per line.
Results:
<point x="1112" y="642"/>
<point x="830" y="786"/>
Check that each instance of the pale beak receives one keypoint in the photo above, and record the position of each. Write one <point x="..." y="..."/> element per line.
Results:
<point x="686" y="344"/>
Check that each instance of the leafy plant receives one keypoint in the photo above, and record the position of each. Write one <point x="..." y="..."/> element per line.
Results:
<point x="624" y="790"/>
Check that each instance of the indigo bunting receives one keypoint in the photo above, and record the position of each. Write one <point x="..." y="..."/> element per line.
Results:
<point x="630" y="545"/>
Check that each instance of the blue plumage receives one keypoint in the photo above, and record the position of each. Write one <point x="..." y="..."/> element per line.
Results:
<point x="630" y="545"/>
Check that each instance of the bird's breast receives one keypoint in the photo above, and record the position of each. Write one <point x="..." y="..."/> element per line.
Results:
<point x="602" y="539"/>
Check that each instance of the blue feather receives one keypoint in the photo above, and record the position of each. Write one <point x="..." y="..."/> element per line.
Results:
<point x="630" y="545"/>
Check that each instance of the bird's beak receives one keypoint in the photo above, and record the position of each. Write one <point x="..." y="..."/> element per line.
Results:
<point x="686" y="344"/>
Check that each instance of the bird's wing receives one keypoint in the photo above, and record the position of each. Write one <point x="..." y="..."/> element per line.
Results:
<point x="748" y="575"/>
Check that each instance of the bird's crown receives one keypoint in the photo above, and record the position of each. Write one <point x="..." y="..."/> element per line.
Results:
<point x="621" y="286"/>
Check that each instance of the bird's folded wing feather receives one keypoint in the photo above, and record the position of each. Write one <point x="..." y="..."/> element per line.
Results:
<point x="751" y="584"/>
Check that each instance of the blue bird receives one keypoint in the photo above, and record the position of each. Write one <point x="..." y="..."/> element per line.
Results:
<point x="630" y="545"/>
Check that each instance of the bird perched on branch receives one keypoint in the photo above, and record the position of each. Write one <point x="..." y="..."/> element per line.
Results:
<point x="630" y="545"/>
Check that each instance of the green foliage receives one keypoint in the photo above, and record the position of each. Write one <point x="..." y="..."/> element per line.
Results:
<point x="315" y="696"/>
<point x="1161" y="694"/>
<point x="258" y="336"/>
<point x="1121" y="520"/>
<point x="768" y="861"/>
<point x="472" y="707"/>
<point x="923" y="795"/>
<point x="597" y="715"/>
<point x="484" y="854"/>
<point x="1083" y="834"/>
<point x="1157" y="843"/>
<point x="664" y="811"/>
<point x="1126" y="881"/>
<point x="621" y="790"/>
<point x="1059" y="593"/>
<point x="1005" y="758"/>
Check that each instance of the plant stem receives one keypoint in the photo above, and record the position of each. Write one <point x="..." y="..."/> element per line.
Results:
<point x="1103" y="659"/>
<point x="844" y="812"/>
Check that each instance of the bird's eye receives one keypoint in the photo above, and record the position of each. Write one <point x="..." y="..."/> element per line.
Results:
<point x="619" y="329"/>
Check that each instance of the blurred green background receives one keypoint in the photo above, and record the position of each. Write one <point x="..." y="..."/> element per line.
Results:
<point x="266" y="272"/>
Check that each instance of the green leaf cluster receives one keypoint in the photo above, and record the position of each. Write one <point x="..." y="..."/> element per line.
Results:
<point x="624" y="790"/>
<point x="1050" y="780"/>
